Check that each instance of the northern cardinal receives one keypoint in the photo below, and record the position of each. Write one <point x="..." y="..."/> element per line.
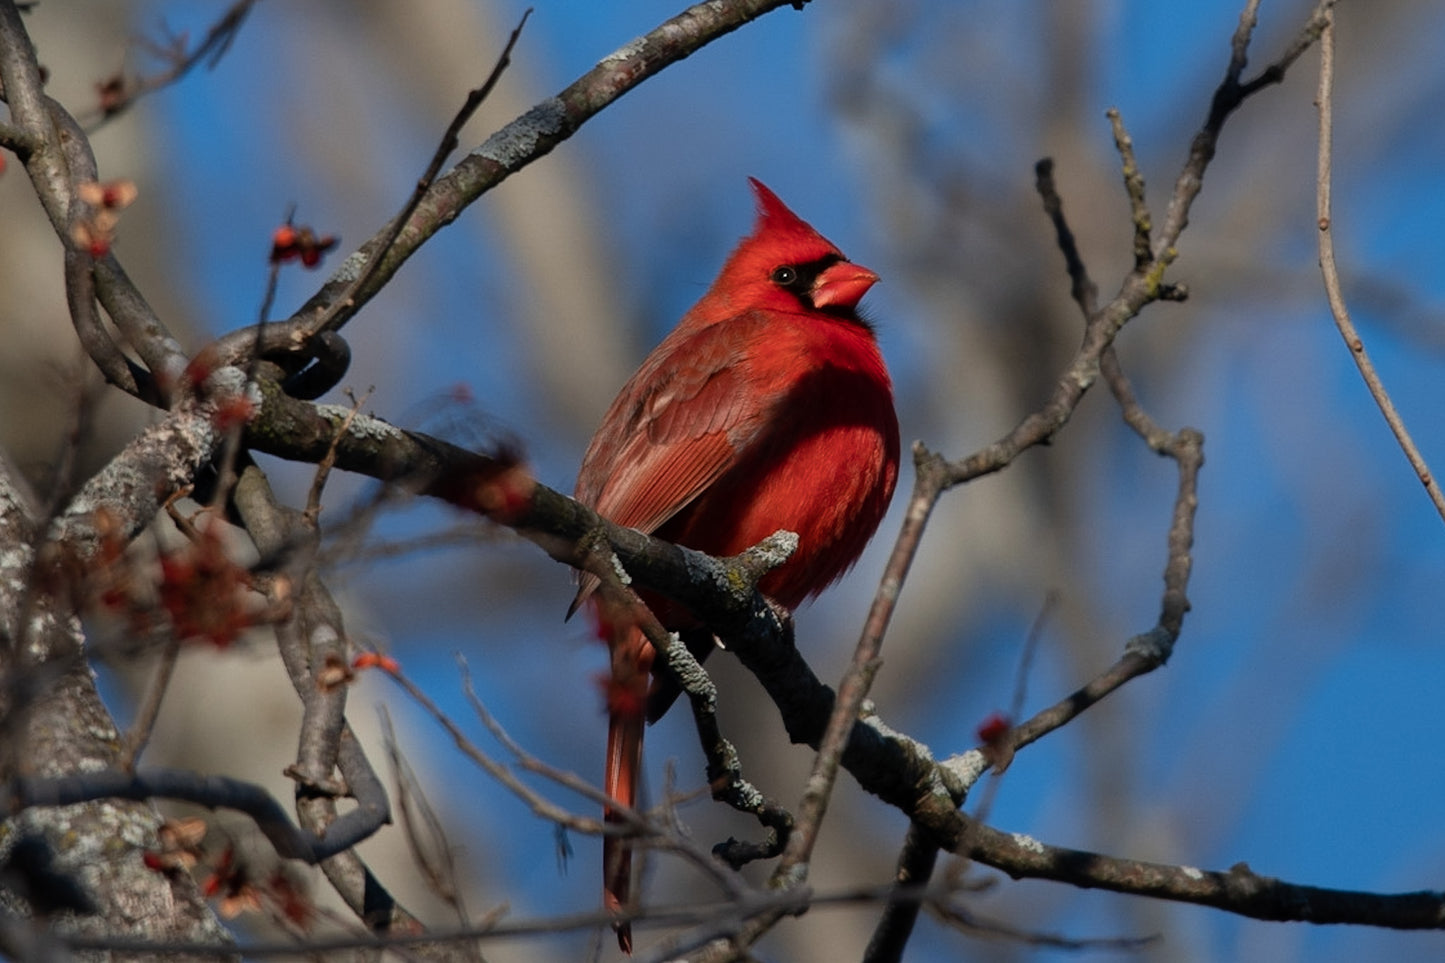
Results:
<point x="768" y="407"/>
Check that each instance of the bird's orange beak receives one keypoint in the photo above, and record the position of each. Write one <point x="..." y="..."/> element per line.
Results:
<point x="842" y="286"/>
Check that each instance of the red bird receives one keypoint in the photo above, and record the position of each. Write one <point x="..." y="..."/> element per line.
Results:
<point x="768" y="407"/>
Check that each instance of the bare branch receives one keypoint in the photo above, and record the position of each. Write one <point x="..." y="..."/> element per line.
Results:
<point x="313" y="649"/>
<point x="1333" y="291"/>
<point x="331" y="318"/>
<point x="1081" y="287"/>
<point x="158" y="462"/>
<point x="118" y="95"/>
<point x="529" y="137"/>
<point x="1240" y="890"/>
<point x="1134" y="187"/>
<point x="213" y="792"/>
<point x="150" y="707"/>
<point x="432" y="851"/>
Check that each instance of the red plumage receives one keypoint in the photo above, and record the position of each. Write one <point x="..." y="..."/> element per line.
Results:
<point x="768" y="407"/>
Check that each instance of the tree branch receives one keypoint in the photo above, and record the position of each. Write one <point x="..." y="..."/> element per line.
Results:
<point x="526" y="139"/>
<point x="1240" y="890"/>
<point x="1330" y="271"/>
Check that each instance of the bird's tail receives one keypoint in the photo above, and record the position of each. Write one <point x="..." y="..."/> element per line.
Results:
<point x="626" y="709"/>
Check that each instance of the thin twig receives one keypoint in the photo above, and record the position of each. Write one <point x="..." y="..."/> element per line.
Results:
<point x="311" y="643"/>
<point x="792" y="869"/>
<point x="433" y="855"/>
<point x="518" y="144"/>
<point x="118" y="95"/>
<point x="1081" y="287"/>
<point x="150" y="707"/>
<point x="1134" y="187"/>
<point x="710" y="921"/>
<point x="268" y="296"/>
<point x="636" y="823"/>
<point x="916" y="862"/>
<point x="955" y="914"/>
<point x="541" y="806"/>
<point x="724" y="766"/>
<point x="1026" y="657"/>
<point x="1330" y="271"/>
<point x="331" y="318"/>
<point x="328" y="461"/>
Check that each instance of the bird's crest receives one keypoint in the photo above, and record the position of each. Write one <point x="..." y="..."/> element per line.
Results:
<point x="776" y="220"/>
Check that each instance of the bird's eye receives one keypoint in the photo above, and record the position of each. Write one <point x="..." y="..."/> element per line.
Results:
<point x="784" y="276"/>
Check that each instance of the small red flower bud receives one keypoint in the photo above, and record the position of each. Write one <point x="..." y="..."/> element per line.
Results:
<point x="994" y="728"/>
<point x="375" y="660"/>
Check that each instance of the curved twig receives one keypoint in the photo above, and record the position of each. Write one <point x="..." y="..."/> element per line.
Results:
<point x="331" y="318"/>
<point x="214" y="792"/>
<point x="1330" y="271"/>
<point x="311" y="644"/>
<point x="531" y="136"/>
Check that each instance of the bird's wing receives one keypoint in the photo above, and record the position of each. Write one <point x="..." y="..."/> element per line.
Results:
<point x="684" y="429"/>
<point x="678" y="425"/>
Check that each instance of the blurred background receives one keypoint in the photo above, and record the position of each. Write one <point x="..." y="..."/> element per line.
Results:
<point x="1298" y="726"/>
